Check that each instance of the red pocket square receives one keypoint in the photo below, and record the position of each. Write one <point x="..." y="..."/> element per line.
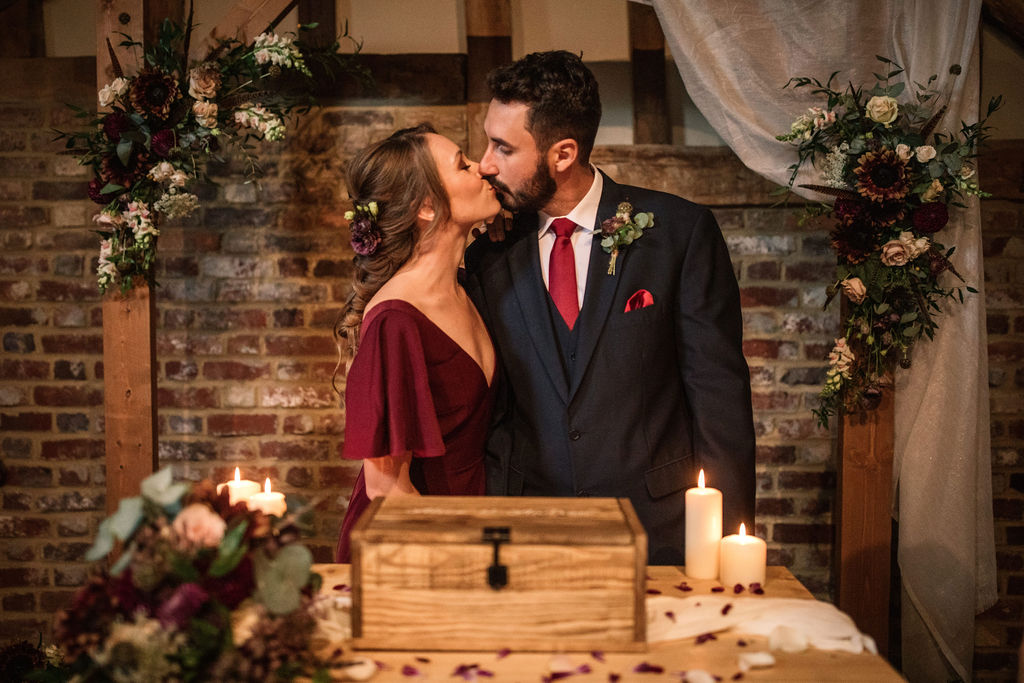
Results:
<point x="641" y="299"/>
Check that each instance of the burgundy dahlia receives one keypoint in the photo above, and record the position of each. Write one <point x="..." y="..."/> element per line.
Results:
<point x="116" y="173"/>
<point x="848" y="211"/>
<point x="95" y="185"/>
<point x="115" y="124"/>
<point x="365" y="236"/>
<point x="184" y="603"/>
<point x="162" y="142"/>
<point x="931" y="217"/>
<point x="853" y="243"/>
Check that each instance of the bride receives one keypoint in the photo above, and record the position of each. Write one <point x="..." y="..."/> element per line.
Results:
<point x="420" y="386"/>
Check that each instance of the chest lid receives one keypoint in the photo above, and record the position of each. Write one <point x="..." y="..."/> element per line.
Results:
<point x="529" y="520"/>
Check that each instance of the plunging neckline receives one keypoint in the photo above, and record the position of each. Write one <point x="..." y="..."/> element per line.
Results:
<point x="483" y="375"/>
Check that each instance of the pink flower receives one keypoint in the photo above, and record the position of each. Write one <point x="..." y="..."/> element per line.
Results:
<point x="199" y="526"/>
<point x="894" y="253"/>
<point x="854" y="289"/>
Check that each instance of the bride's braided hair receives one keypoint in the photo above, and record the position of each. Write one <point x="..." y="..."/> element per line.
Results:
<point x="398" y="174"/>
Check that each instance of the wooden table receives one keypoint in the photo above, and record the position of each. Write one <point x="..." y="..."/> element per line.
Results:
<point x="718" y="657"/>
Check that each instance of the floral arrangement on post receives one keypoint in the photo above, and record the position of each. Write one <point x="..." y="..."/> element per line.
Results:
<point x="893" y="178"/>
<point x="160" y="127"/>
<point x="202" y="590"/>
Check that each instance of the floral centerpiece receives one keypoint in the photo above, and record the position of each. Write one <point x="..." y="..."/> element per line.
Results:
<point x="893" y="179"/>
<point x="160" y="127"/>
<point x="202" y="591"/>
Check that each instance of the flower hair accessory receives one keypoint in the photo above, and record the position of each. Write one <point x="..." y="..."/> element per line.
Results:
<point x="623" y="229"/>
<point x="366" y="237"/>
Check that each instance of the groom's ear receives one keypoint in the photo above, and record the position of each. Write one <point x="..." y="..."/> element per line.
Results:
<point x="563" y="154"/>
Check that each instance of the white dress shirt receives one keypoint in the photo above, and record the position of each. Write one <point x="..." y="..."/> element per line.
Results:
<point x="584" y="215"/>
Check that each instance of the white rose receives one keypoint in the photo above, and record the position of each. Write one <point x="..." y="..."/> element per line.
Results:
<point x="883" y="109"/>
<point x="894" y="253"/>
<point x="178" y="178"/>
<point x="206" y="113"/>
<point x="903" y="152"/>
<point x="925" y="153"/>
<point x="161" y="171"/>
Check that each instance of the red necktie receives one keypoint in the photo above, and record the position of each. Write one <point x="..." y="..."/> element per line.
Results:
<point x="562" y="271"/>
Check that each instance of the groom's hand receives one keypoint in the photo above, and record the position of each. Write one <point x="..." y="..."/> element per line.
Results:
<point x="497" y="228"/>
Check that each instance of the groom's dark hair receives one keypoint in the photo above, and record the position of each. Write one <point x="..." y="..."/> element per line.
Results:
<point x="561" y="93"/>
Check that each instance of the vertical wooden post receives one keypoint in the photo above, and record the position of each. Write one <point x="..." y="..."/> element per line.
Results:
<point x="114" y="17"/>
<point x="651" y="123"/>
<point x="864" y="511"/>
<point x="488" y="45"/>
<point x="129" y="381"/>
<point x="25" y="37"/>
<point x="322" y="13"/>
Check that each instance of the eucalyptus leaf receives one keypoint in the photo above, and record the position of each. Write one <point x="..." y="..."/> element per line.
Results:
<point x="103" y="544"/>
<point x="125" y="521"/>
<point x="896" y="89"/>
<point x="641" y="220"/>
<point x="110" y="188"/>
<point x="279" y="580"/>
<point x="230" y="552"/>
<point x="908" y="317"/>
<point x="881" y="308"/>
<point x="935" y="168"/>
<point x="124" y="151"/>
<point x="912" y="331"/>
<point x="160" y="488"/>
<point x="122" y="562"/>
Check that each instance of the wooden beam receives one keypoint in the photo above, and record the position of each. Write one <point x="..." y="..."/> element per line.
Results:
<point x="488" y="45"/>
<point x="1007" y="16"/>
<point x="24" y="36"/>
<point x="129" y="359"/>
<point x="864" y="512"/>
<point x="651" y="123"/>
<point x="114" y="17"/>
<point x="245" y="20"/>
<point x="155" y="12"/>
<point x="323" y="14"/>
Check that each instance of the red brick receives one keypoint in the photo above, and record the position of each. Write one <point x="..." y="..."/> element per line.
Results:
<point x="73" y="449"/>
<point x="66" y="369"/>
<point x="320" y="345"/>
<point x="67" y="396"/>
<point x="29" y="476"/>
<point x="22" y="527"/>
<point x="17" y="317"/>
<point x="1005" y="351"/>
<point x="26" y="422"/>
<point x="299" y="477"/>
<point x="289" y="317"/>
<point x="77" y="476"/>
<point x="767" y="296"/>
<point x="244" y="344"/>
<point x="761" y="348"/>
<point x="73" y="343"/>
<point x="186" y="398"/>
<point x="20" y="602"/>
<point x="290" y="451"/>
<point x="54" y="601"/>
<point x="181" y="371"/>
<point x="338" y="478"/>
<point x="297" y="397"/>
<point x="241" y="425"/>
<point x="216" y="319"/>
<point x="811" y="271"/>
<point x="298" y="424"/>
<point x="235" y="370"/>
<point x="795" y="480"/>
<point x="775" y="507"/>
<point x="22" y="265"/>
<point x="292" y="267"/>
<point x="801" y="533"/>
<point x="24" y="369"/>
<point x="763" y="270"/>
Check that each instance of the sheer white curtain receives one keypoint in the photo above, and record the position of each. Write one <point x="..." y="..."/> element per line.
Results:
<point x="734" y="56"/>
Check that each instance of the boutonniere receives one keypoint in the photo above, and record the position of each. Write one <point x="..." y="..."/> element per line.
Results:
<point x="623" y="229"/>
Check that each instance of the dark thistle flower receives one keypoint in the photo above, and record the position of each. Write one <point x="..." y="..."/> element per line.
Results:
<point x="365" y="236"/>
<point x="95" y="185"/>
<point x="882" y="176"/>
<point x="115" y="124"/>
<point x="162" y="142"/>
<point x="153" y="92"/>
<point x="930" y="217"/>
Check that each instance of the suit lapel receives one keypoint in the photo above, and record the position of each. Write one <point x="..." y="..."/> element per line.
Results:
<point x="524" y="264"/>
<point x="601" y="288"/>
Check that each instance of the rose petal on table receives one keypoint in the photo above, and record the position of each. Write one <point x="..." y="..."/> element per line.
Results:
<point x="409" y="670"/>
<point x="705" y="637"/>
<point x="646" y="668"/>
<point x="597" y="654"/>
<point x="717" y="589"/>
<point x="614" y="678"/>
<point x="725" y="610"/>
<point x="756" y="660"/>
<point x="343" y="587"/>
<point x="503" y="652"/>
<point x="423" y="660"/>
<point x="738" y="588"/>
<point x="653" y="591"/>
<point x="671" y="616"/>
<point x="683" y="587"/>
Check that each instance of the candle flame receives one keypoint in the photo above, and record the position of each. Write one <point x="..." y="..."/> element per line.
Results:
<point x="700" y="479"/>
<point x="238" y="475"/>
<point x="266" y="486"/>
<point x="743" y="529"/>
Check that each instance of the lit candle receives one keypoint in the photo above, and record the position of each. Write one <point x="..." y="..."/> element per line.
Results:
<point x="703" y="530"/>
<point x="269" y="502"/>
<point x="239" y="490"/>
<point x="743" y="559"/>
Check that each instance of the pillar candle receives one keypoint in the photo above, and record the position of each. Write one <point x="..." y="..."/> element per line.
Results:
<point x="269" y="502"/>
<point x="239" y="490"/>
<point x="703" y="530"/>
<point x="744" y="559"/>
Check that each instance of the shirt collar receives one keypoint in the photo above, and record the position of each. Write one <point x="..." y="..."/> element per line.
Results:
<point x="583" y="214"/>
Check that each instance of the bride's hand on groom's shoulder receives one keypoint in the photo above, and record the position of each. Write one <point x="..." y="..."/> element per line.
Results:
<point x="496" y="228"/>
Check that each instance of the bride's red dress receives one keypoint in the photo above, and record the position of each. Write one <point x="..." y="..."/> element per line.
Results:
<point x="412" y="388"/>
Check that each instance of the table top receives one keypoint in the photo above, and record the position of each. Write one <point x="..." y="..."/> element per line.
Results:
<point x="718" y="657"/>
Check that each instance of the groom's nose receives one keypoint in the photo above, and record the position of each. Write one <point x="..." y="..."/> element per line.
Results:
<point x="487" y="166"/>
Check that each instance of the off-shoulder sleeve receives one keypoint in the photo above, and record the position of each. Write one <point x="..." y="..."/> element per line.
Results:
<point x="389" y="407"/>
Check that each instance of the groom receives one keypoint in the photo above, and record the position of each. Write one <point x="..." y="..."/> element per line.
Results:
<point x="618" y="384"/>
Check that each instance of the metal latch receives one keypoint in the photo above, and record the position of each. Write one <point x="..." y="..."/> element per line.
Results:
<point x="497" y="573"/>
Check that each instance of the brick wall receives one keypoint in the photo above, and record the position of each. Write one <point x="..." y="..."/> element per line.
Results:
<point x="250" y="288"/>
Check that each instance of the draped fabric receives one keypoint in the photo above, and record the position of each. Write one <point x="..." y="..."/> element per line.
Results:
<point x="734" y="57"/>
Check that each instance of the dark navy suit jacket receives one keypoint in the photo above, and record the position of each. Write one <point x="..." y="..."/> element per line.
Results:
<point x="649" y="397"/>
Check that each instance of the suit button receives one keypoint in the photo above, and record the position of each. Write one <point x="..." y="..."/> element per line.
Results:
<point x="575" y="435"/>
<point x="572" y="356"/>
<point x="583" y="493"/>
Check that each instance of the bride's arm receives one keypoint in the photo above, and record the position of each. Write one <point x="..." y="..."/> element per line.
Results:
<point x="388" y="476"/>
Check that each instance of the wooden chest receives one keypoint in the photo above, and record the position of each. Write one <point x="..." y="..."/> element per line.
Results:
<point x="489" y="573"/>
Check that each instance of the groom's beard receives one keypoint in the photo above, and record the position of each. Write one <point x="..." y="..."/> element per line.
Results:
<point x="539" y="189"/>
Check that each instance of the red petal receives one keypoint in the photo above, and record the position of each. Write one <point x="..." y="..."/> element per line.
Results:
<point x="645" y="668"/>
<point x="738" y="588"/>
<point x="409" y="670"/>
<point x="717" y="589"/>
<point x="504" y="652"/>
<point x="597" y="654"/>
<point x="653" y="591"/>
<point x="671" y="615"/>
<point x="725" y="610"/>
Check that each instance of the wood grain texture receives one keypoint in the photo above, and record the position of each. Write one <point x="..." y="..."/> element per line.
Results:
<point x="864" y="513"/>
<point x="129" y="391"/>
<point x="575" y="570"/>
<point x="114" y="17"/>
<point x="245" y="20"/>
